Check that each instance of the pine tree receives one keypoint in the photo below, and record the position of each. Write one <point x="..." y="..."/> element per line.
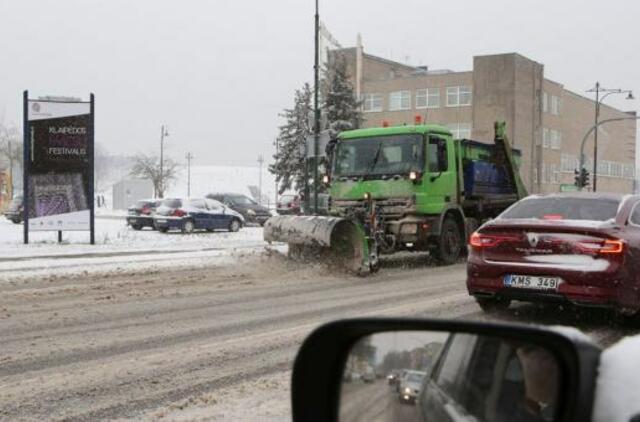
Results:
<point x="340" y="105"/>
<point x="289" y="163"/>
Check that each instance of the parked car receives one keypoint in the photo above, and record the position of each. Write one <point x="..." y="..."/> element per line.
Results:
<point x="288" y="204"/>
<point x="15" y="211"/>
<point x="324" y="204"/>
<point x="577" y="247"/>
<point x="410" y="386"/>
<point x="192" y="214"/>
<point x="141" y="213"/>
<point x="250" y="209"/>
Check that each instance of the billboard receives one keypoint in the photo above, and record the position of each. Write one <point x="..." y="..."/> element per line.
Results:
<point x="58" y="171"/>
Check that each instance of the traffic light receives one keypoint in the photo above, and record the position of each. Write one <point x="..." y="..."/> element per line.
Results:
<point x="581" y="178"/>
<point x="584" y="177"/>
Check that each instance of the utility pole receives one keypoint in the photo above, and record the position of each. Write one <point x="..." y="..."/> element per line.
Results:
<point x="189" y="157"/>
<point x="316" y="111"/>
<point x="276" y="166"/>
<point x="260" y="161"/>
<point x="598" y="89"/>
<point x="163" y="133"/>
<point x="10" y="168"/>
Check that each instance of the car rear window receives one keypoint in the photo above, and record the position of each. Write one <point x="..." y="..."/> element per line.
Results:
<point x="142" y="204"/>
<point x="563" y="208"/>
<point x="171" y="203"/>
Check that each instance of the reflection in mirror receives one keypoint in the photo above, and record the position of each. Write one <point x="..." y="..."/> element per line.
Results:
<point x="438" y="376"/>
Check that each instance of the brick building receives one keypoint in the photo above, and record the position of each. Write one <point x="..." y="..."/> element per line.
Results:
<point x="544" y="120"/>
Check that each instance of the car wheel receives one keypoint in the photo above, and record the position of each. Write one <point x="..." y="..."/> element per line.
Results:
<point x="163" y="229"/>
<point x="16" y="221"/>
<point x="490" y="305"/>
<point x="449" y="243"/>
<point x="234" y="225"/>
<point x="136" y="227"/>
<point x="187" y="226"/>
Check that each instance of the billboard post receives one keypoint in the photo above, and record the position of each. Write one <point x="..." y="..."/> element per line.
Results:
<point x="25" y="166"/>
<point x="58" y="165"/>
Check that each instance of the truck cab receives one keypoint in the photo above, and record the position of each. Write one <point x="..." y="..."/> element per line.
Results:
<point x="415" y="176"/>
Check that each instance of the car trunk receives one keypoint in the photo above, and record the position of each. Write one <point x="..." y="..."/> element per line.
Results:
<point x="562" y="245"/>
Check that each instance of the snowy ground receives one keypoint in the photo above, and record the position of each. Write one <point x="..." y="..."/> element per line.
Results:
<point x="117" y="248"/>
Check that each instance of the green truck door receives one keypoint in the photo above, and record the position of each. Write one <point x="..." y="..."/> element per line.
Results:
<point x="440" y="180"/>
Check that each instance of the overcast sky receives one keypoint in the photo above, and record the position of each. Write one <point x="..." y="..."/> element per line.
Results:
<point x="217" y="73"/>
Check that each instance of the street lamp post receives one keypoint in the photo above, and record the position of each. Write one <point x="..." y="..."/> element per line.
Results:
<point x="163" y="132"/>
<point x="189" y="157"/>
<point x="598" y="89"/>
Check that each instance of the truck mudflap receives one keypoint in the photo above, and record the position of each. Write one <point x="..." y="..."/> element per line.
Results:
<point x="340" y="241"/>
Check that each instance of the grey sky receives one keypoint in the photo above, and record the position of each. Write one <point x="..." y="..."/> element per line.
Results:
<point x="219" y="72"/>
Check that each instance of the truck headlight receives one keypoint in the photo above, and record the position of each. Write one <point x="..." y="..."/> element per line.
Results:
<point x="251" y="212"/>
<point x="407" y="390"/>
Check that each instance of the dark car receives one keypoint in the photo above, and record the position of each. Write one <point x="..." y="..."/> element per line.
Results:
<point x="250" y="209"/>
<point x="288" y="204"/>
<point x="15" y="210"/>
<point x="192" y="214"/>
<point x="141" y="213"/>
<point x="581" y="248"/>
<point x="481" y="378"/>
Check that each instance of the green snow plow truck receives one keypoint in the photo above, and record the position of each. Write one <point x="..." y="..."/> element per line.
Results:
<point x="412" y="188"/>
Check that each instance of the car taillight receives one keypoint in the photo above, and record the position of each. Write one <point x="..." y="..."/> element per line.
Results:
<point x="178" y="213"/>
<point x="146" y="211"/>
<point x="478" y="240"/>
<point x="609" y="246"/>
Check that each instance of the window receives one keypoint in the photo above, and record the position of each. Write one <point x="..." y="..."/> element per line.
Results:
<point x="460" y="130"/>
<point x="568" y="163"/>
<point x="372" y="102"/>
<point x="555" y="105"/>
<point x="546" y="138"/>
<point x="437" y="155"/>
<point x="599" y="209"/>
<point x="615" y="169"/>
<point x="545" y="102"/>
<point x="628" y="171"/>
<point x="428" y="98"/>
<point x="400" y="100"/>
<point x="197" y="203"/>
<point x="551" y="138"/>
<point x="213" y="205"/>
<point x="603" y="168"/>
<point x="635" y="214"/>
<point x="458" y="96"/>
<point x="556" y="139"/>
<point x="454" y="365"/>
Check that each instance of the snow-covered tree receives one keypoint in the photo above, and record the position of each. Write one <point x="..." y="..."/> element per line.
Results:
<point x="341" y="107"/>
<point x="148" y="167"/>
<point x="289" y="159"/>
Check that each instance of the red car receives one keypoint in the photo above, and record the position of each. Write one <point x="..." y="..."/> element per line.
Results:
<point x="582" y="248"/>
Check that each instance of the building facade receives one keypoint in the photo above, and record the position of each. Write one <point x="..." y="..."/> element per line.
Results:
<point x="544" y="120"/>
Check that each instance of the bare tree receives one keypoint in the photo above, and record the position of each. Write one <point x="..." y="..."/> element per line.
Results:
<point x="148" y="167"/>
<point x="10" y="151"/>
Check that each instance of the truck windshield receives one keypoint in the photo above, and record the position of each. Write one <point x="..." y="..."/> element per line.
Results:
<point x="382" y="155"/>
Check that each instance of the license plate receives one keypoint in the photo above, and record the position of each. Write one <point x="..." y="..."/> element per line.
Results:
<point x="532" y="282"/>
<point x="133" y="220"/>
<point x="161" y="221"/>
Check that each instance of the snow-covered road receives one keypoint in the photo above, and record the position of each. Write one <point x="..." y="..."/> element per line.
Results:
<point x="206" y="343"/>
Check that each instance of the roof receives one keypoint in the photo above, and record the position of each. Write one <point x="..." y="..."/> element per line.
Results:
<point x="590" y="195"/>
<point x="394" y="130"/>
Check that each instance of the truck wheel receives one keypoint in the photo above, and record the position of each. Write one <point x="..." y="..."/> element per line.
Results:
<point x="163" y="229"/>
<point x="449" y="243"/>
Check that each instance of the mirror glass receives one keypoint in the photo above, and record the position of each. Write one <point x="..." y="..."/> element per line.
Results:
<point x="439" y="376"/>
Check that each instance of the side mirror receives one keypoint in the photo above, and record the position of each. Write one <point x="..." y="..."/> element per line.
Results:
<point x="406" y="370"/>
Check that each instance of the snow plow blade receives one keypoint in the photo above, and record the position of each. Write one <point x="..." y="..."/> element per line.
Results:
<point x="331" y="239"/>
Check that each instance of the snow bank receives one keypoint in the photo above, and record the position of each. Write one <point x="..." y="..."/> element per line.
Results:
<point x="618" y="386"/>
